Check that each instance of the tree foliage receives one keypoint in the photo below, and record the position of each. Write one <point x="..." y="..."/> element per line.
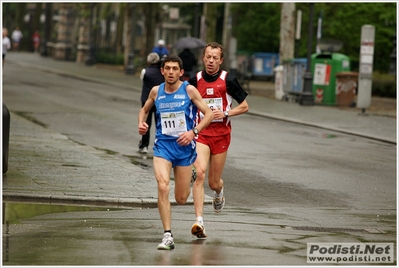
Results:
<point x="257" y="25"/>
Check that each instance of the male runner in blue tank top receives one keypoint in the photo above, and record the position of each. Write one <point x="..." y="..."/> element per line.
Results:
<point x="176" y="104"/>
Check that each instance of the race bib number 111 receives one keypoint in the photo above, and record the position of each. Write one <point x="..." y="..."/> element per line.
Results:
<point x="173" y="123"/>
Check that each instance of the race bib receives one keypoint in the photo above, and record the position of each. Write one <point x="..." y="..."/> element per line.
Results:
<point x="214" y="104"/>
<point x="173" y="123"/>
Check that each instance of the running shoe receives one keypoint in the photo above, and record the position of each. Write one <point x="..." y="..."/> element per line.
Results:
<point x="198" y="230"/>
<point x="167" y="242"/>
<point x="143" y="150"/>
<point x="193" y="174"/>
<point x="218" y="204"/>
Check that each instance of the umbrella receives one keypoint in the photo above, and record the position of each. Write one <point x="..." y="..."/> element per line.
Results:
<point x="190" y="43"/>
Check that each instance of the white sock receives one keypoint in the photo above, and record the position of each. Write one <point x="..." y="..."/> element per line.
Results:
<point x="219" y="194"/>
<point x="200" y="220"/>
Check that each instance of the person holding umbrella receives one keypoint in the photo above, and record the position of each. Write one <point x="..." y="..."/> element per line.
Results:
<point x="189" y="62"/>
<point x="190" y="43"/>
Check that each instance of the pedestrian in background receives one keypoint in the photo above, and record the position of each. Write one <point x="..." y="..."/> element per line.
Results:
<point x="6" y="43"/>
<point x="176" y="104"/>
<point x="36" y="41"/>
<point x="218" y="88"/>
<point x="189" y="62"/>
<point x="16" y="37"/>
<point x="161" y="49"/>
<point x="150" y="76"/>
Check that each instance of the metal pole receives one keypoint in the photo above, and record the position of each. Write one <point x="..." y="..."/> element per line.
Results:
<point x="392" y="67"/>
<point x="306" y="97"/>
<point x="90" y="57"/>
<point x="196" y="18"/>
<point x="6" y="136"/>
<point x="130" y="62"/>
<point x="47" y="30"/>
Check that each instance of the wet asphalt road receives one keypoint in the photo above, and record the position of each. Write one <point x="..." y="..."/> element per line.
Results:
<point x="129" y="236"/>
<point x="281" y="176"/>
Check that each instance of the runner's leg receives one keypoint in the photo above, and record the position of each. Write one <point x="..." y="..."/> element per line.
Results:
<point x="162" y="170"/>
<point x="201" y="164"/>
<point x="182" y="183"/>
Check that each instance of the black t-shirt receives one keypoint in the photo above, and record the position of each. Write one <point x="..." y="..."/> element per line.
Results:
<point x="152" y="77"/>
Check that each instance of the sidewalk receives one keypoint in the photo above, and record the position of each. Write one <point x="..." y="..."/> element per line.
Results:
<point x="82" y="173"/>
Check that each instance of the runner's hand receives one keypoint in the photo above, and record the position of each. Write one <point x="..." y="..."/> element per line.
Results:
<point x="143" y="128"/>
<point x="186" y="138"/>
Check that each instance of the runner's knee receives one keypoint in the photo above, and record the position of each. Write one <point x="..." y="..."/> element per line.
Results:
<point x="163" y="188"/>
<point x="181" y="200"/>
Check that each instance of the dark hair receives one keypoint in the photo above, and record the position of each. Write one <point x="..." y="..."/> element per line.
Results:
<point x="172" y="58"/>
<point x="214" y="45"/>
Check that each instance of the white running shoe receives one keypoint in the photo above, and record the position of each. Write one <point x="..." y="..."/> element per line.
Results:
<point x="143" y="150"/>
<point x="167" y="242"/>
<point x="198" y="230"/>
<point x="218" y="204"/>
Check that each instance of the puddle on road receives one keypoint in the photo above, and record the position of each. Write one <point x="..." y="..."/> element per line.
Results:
<point x="142" y="160"/>
<point x="14" y="212"/>
<point x="30" y="118"/>
<point x="329" y="136"/>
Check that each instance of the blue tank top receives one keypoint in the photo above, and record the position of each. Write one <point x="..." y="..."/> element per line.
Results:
<point x="175" y="113"/>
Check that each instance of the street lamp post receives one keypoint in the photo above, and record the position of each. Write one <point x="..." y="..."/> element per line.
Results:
<point x="90" y="57"/>
<point x="47" y="30"/>
<point x="196" y="19"/>
<point x="306" y="97"/>
<point x="392" y="67"/>
<point x="130" y="60"/>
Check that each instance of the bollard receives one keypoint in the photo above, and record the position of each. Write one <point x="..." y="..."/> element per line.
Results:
<point x="130" y="64"/>
<point x="6" y="136"/>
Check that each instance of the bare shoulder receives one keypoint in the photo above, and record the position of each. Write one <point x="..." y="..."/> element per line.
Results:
<point x="191" y="91"/>
<point x="154" y="90"/>
<point x="191" y="88"/>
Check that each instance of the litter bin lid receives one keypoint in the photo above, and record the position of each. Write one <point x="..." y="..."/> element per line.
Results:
<point x="347" y="74"/>
<point x="300" y="60"/>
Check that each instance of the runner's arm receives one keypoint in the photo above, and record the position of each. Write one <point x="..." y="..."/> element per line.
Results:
<point x="235" y="90"/>
<point x="145" y="110"/>
<point x="202" y="106"/>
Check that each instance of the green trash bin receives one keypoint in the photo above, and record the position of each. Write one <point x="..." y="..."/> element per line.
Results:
<point x="324" y="67"/>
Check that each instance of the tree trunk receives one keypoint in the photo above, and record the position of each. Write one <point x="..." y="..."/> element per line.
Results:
<point x="35" y="24"/>
<point x="127" y="33"/>
<point x="226" y="36"/>
<point x="19" y="17"/>
<point x="119" y="28"/>
<point x="287" y="31"/>
<point x="210" y="13"/>
<point x="83" y="33"/>
<point x="150" y="11"/>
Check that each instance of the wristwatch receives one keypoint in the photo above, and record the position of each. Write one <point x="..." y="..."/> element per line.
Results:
<point x="226" y="114"/>
<point x="195" y="130"/>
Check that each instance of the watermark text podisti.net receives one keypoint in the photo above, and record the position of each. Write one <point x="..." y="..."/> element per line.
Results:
<point x="350" y="253"/>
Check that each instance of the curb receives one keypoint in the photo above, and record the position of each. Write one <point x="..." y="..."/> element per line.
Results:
<point x="281" y="118"/>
